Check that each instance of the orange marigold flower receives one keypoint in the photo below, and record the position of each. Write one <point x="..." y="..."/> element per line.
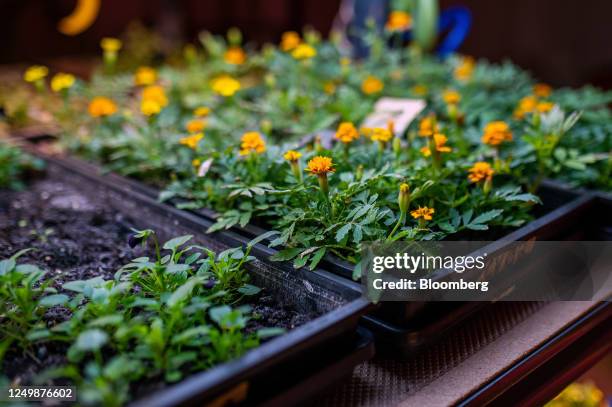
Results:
<point x="542" y="90"/>
<point x="372" y="85"/>
<point x="428" y="126"/>
<point x="192" y="140"/>
<point x="480" y="171"/>
<point x="225" y="85"/>
<point x="496" y="133"/>
<point x="62" y="81"/>
<point x="252" y="142"/>
<point x="150" y="107"/>
<point x="195" y="126"/>
<point x="304" y="51"/>
<point x="451" y="97"/>
<point x="35" y="73"/>
<point x="381" y="134"/>
<point x="398" y="21"/>
<point x="440" y="143"/>
<point x="155" y="93"/>
<point x="544" y="107"/>
<point x="201" y="111"/>
<point x="290" y="40"/>
<point x="465" y="69"/>
<point x="102" y="106"/>
<point x="145" y="76"/>
<point x="423" y="212"/>
<point x="320" y="165"/>
<point x="347" y="133"/>
<point x="526" y="105"/>
<point x="292" y="156"/>
<point x="235" y="56"/>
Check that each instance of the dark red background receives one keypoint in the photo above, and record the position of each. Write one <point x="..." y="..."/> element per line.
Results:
<point x="563" y="42"/>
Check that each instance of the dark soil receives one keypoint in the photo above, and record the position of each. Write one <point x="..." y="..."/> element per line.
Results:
<point x="77" y="238"/>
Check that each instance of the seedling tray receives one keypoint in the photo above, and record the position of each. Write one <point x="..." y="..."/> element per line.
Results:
<point x="406" y="326"/>
<point x="276" y="367"/>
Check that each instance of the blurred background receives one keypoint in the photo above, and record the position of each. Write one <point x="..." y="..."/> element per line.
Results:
<point x="562" y="42"/>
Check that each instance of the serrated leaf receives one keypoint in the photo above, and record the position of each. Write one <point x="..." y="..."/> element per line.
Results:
<point x="342" y="232"/>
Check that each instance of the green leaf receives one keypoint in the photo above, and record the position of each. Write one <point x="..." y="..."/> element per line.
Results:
<point x="316" y="258"/>
<point x="37" y="334"/>
<point x="487" y="216"/>
<point x="249" y="289"/>
<point x="107" y="320"/>
<point x="300" y="262"/>
<point x="263" y="236"/>
<point x="91" y="340"/>
<point x="286" y="254"/>
<point x="218" y="313"/>
<point x="6" y="266"/>
<point x="342" y="232"/>
<point x="53" y="300"/>
<point x="183" y="291"/>
<point x="177" y="241"/>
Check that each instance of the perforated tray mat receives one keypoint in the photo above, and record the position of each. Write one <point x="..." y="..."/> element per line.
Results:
<point x="384" y="381"/>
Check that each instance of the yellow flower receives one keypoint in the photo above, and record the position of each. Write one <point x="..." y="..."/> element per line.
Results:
<point x="201" y="111"/>
<point x="150" y="107"/>
<point x="440" y="143"/>
<point x="235" y="56"/>
<point x="192" y="140"/>
<point x="290" y="40"/>
<point x="544" y="107"/>
<point x="196" y="162"/>
<point x="428" y="126"/>
<point x="423" y="212"/>
<point x="382" y="135"/>
<point x="420" y="90"/>
<point x="542" y="90"/>
<point x="320" y="165"/>
<point x="372" y="85"/>
<point x="496" y="133"/>
<point x="102" y="106"/>
<point x="526" y="105"/>
<point x="111" y="45"/>
<point x="155" y="93"/>
<point x="329" y="87"/>
<point x="398" y="21"/>
<point x="347" y="133"/>
<point x="252" y="142"/>
<point x="451" y="97"/>
<point x="62" y="81"/>
<point x="480" y="171"/>
<point x="292" y="156"/>
<point x="144" y="76"/>
<point x="35" y="73"/>
<point x="225" y="85"/>
<point x="304" y="51"/>
<point x="465" y="69"/>
<point x="195" y="126"/>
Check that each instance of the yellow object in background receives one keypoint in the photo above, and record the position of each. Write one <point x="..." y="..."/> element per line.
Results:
<point x="82" y="17"/>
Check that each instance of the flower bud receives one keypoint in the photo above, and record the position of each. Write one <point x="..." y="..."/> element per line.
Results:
<point x="404" y="197"/>
<point x="266" y="126"/>
<point x="397" y="146"/>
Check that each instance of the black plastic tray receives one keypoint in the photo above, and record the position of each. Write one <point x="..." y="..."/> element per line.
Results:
<point x="405" y="326"/>
<point x="303" y="349"/>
